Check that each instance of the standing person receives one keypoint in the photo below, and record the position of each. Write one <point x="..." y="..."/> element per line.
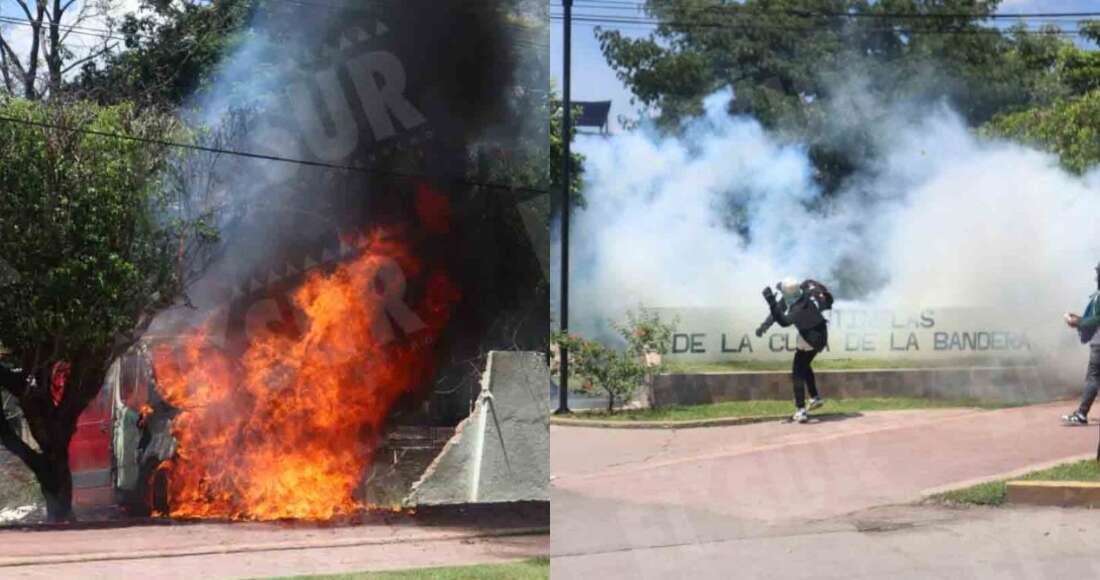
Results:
<point x="1087" y="326"/>
<point x="794" y="290"/>
<point x="803" y="306"/>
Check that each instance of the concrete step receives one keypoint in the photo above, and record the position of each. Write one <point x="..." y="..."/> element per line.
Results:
<point x="1054" y="493"/>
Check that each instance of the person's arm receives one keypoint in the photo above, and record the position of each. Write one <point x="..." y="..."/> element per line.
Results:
<point x="778" y="315"/>
<point x="764" y="326"/>
<point x="1091" y="321"/>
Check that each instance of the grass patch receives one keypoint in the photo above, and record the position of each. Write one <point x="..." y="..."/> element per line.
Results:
<point x="842" y="364"/>
<point x="778" y="408"/>
<point x="537" y="569"/>
<point x="993" y="493"/>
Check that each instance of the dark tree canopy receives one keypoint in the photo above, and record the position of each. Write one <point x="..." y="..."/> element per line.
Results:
<point x="787" y="60"/>
<point x="170" y="50"/>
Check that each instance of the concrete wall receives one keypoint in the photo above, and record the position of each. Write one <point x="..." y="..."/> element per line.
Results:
<point x="1024" y="384"/>
<point x="969" y="335"/>
<point x="501" y="453"/>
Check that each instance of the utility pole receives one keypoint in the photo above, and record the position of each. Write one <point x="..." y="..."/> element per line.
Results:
<point x="566" y="205"/>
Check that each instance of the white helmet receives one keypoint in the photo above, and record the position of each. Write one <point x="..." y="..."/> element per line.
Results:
<point x="791" y="289"/>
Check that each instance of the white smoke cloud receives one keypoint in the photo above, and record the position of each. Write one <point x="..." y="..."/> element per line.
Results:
<point x="943" y="218"/>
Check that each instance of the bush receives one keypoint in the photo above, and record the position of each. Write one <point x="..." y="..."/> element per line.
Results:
<point x="619" y="373"/>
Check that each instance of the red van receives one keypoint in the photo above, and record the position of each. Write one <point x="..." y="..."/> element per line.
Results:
<point x="114" y="458"/>
<point x="106" y="432"/>
<point x="90" y="454"/>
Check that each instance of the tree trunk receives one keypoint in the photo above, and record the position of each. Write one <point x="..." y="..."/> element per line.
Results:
<point x="53" y="428"/>
<point x="55" y="54"/>
<point x="56" y="483"/>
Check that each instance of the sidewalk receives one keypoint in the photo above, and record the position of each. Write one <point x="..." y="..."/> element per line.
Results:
<point x="230" y="550"/>
<point x="816" y="470"/>
<point x="637" y="500"/>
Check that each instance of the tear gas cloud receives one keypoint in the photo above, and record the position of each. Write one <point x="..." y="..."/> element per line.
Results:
<point x="940" y="218"/>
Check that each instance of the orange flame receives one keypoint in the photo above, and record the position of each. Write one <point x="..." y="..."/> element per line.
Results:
<point x="287" y="430"/>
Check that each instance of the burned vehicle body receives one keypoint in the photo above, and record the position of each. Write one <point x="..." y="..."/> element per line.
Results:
<point x="142" y="441"/>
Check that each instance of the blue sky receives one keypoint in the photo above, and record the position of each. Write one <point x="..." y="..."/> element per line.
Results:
<point x="594" y="80"/>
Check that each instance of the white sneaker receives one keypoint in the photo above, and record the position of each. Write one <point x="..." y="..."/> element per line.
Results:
<point x="800" y="416"/>
<point x="1075" y="418"/>
<point x="815" y="403"/>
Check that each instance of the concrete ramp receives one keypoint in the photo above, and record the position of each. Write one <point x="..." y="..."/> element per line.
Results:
<point x="501" y="452"/>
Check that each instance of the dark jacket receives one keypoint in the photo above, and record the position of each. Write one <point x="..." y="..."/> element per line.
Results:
<point x="806" y="315"/>
<point x="1090" y="320"/>
<point x="810" y="288"/>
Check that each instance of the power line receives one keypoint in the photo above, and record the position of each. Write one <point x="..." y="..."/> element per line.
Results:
<point x="648" y="22"/>
<point x="104" y="34"/>
<point x="741" y="10"/>
<point x="261" y="156"/>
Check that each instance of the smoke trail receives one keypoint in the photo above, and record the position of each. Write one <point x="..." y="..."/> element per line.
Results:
<point x="397" y="88"/>
<point x="939" y="218"/>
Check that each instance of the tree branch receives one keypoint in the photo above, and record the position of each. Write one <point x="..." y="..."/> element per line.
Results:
<point x="6" y="48"/>
<point x="26" y="9"/>
<point x="94" y="55"/>
<point x="14" y="443"/>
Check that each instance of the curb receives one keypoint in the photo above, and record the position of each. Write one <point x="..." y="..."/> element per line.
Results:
<point x="627" y="424"/>
<point x="272" y="547"/>
<point x="930" y="493"/>
<point x="1054" y="493"/>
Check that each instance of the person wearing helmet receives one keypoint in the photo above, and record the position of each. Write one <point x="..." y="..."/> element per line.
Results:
<point x="807" y="287"/>
<point x="803" y="306"/>
<point x="1086" y="326"/>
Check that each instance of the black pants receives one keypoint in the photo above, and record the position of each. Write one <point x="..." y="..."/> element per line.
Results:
<point x="1092" y="381"/>
<point x="803" y="376"/>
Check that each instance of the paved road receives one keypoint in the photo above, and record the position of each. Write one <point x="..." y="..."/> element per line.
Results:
<point x="253" y="550"/>
<point x="784" y="500"/>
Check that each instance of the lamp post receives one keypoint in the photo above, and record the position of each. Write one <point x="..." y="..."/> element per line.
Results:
<point x="567" y="126"/>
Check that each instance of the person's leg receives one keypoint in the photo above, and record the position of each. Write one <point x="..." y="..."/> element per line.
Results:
<point x="1092" y="382"/>
<point x="811" y="382"/>
<point x="798" y="377"/>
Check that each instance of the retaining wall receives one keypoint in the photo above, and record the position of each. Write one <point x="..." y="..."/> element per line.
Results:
<point x="1024" y="384"/>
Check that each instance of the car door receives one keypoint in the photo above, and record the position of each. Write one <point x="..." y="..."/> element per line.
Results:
<point x="128" y="398"/>
<point x="90" y="453"/>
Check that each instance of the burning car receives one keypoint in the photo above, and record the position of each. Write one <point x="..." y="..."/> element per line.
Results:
<point x="124" y="439"/>
<point x="296" y="418"/>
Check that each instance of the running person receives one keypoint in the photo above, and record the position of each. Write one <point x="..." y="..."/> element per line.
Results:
<point x="1087" y="326"/>
<point x="802" y="306"/>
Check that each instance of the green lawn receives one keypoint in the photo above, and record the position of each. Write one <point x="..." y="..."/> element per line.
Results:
<point x="993" y="493"/>
<point x="778" y="408"/>
<point x="840" y="364"/>
<point x="538" y="569"/>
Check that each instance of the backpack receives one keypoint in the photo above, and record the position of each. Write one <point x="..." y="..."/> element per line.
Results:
<point x="819" y="292"/>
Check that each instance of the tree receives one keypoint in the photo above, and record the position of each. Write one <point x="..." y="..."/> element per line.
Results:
<point x="648" y="339"/>
<point x="39" y="69"/>
<point x="645" y="332"/>
<point x="1069" y="128"/>
<point x="531" y="163"/>
<point x="556" y="112"/>
<point x="789" y="61"/>
<point x="101" y="233"/>
<point x="618" y="374"/>
<point x="171" y="49"/>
